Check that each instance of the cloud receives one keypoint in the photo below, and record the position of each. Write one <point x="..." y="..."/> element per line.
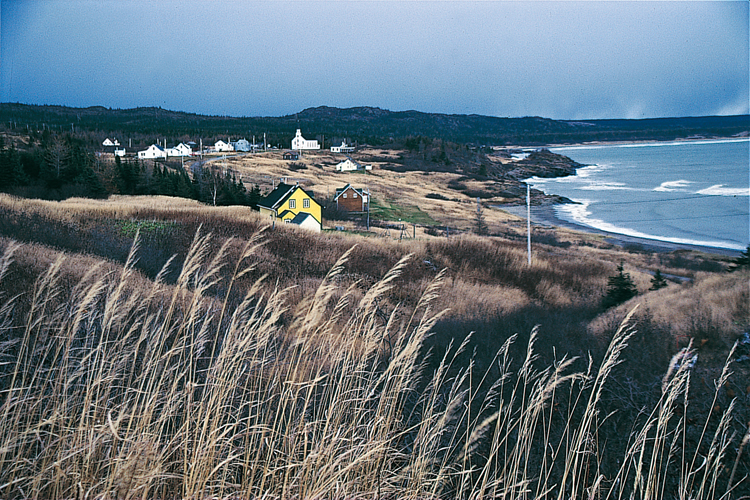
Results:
<point x="565" y="60"/>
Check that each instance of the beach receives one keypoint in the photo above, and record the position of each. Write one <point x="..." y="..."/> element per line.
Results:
<point x="544" y="215"/>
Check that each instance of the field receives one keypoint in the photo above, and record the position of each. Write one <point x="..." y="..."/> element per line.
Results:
<point x="154" y="347"/>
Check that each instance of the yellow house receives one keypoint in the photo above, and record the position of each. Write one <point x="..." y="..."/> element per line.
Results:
<point x="290" y="204"/>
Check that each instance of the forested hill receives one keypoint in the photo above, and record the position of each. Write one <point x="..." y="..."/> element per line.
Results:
<point x="364" y="125"/>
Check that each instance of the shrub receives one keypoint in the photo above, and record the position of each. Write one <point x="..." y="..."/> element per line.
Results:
<point x="436" y="196"/>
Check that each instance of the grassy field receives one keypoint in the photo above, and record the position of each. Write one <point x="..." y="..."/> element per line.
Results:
<point x="214" y="357"/>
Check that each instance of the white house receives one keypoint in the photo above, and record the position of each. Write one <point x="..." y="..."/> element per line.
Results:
<point x="241" y="145"/>
<point x="300" y="143"/>
<point x="350" y="165"/>
<point x="152" y="153"/>
<point x="119" y="152"/>
<point x="181" y="149"/>
<point x="107" y="142"/>
<point x="342" y="149"/>
<point x="222" y="147"/>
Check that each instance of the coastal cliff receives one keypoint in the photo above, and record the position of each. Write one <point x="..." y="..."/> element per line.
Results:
<point x="544" y="163"/>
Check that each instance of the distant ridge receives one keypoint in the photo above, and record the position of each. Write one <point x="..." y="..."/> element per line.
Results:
<point x="371" y="125"/>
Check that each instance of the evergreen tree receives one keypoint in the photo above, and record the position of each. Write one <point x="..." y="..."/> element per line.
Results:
<point x="620" y="288"/>
<point x="480" y="225"/>
<point x="658" y="282"/>
<point x="11" y="169"/>
<point x="254" y="196"/>
<point x="128" y="176"/>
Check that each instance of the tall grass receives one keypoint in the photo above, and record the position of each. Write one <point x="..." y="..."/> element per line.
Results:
<point x="115" y="390"/>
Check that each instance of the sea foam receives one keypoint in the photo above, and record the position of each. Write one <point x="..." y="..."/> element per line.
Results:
<point x="720" y="190"/>
<point x="670" y="186"/>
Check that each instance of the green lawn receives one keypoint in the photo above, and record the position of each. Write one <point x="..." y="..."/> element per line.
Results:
<point x="392" y="211"/>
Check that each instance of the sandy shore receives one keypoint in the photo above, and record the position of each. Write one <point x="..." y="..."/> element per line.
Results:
<point x="545" y="215"/>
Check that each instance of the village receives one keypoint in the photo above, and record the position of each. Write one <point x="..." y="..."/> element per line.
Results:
<point x="287" y="202"/>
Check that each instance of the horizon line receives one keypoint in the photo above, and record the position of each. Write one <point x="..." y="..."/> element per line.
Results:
<point x="109" y="108"/>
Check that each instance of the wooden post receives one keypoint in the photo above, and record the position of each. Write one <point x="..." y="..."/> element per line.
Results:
<point x="528" y="222"/>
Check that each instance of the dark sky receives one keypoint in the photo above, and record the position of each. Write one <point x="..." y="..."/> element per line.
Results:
<point x="562" y="60"/>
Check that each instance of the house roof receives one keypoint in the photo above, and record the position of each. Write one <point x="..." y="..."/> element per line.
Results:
<point x="277" y="196"/>
<point x="349" y="160"/>
<point x="340" y="191"/>
<point x="301" y="217"/>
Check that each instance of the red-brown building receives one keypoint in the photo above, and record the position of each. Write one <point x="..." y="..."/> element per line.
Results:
<point x="352" y="200"/>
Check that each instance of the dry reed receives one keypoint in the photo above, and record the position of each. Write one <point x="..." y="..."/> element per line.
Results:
<point x="122" y="391"/>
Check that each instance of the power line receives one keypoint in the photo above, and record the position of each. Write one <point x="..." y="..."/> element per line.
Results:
<point x="520" y="223"/>
<point x="683" y="218"/>
<point x="655" y="201"/>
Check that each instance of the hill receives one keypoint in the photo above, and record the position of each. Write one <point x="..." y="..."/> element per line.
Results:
<point x="368" y="125"/>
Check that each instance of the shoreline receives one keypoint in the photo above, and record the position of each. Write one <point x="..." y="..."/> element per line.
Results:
<point x="544" y="215"/>
<point x="686" y="140"/>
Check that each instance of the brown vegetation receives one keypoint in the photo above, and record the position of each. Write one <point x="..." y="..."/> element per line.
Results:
<point x="261" y="362"/>
<point x="122" y="387"/>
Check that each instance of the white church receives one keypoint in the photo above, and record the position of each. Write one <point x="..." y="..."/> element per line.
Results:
<point x="300" y="143"/>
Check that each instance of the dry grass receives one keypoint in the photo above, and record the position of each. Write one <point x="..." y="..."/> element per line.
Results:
<point x="709" y="310"/>
<point x="115" y="389"/>
<point x="321" y="177"/>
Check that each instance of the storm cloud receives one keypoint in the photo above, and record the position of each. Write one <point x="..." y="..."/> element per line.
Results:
<point x="562" y="60"/>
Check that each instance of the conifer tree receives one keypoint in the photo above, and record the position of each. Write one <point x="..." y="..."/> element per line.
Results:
<point x="480" y="225"/>
<point x="11" y="170"/>
<point x="658" y="282"/>
<point x="620" y="288"/>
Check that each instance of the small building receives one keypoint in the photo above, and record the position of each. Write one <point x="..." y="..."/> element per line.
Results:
<point x="350" y="199"/>
<point x="241" y="145"/>
<point x="344" y="148"/>
<point x="300" y="143"/>
<point x="223" y="147"/>
<point x="181" y="149"/>
<point x="350" y="165"/>
<point x="290" y="155"/>
<point x="154" y="152"/>
<point x="119" y="152"/>
<point x="287" y="202"/>
<point x="110" y="145"/>
<point x="305" y="220"/>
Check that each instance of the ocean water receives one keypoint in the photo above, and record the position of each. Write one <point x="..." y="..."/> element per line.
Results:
<point x="695" y="193"/>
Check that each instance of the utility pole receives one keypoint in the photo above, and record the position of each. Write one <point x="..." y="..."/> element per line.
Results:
<point x="528" y="222"/>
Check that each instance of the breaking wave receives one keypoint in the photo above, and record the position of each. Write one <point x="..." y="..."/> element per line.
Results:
<point x="720" y="190"/>
<point x="670" y="186"/>
<point x="580" y="214"/>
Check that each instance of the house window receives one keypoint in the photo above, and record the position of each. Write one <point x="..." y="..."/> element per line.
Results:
<point x="292" y="204"/>
<point x="306" y="203"/>
<point x="354" y="195"/>
<point x="344" y="195"/>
